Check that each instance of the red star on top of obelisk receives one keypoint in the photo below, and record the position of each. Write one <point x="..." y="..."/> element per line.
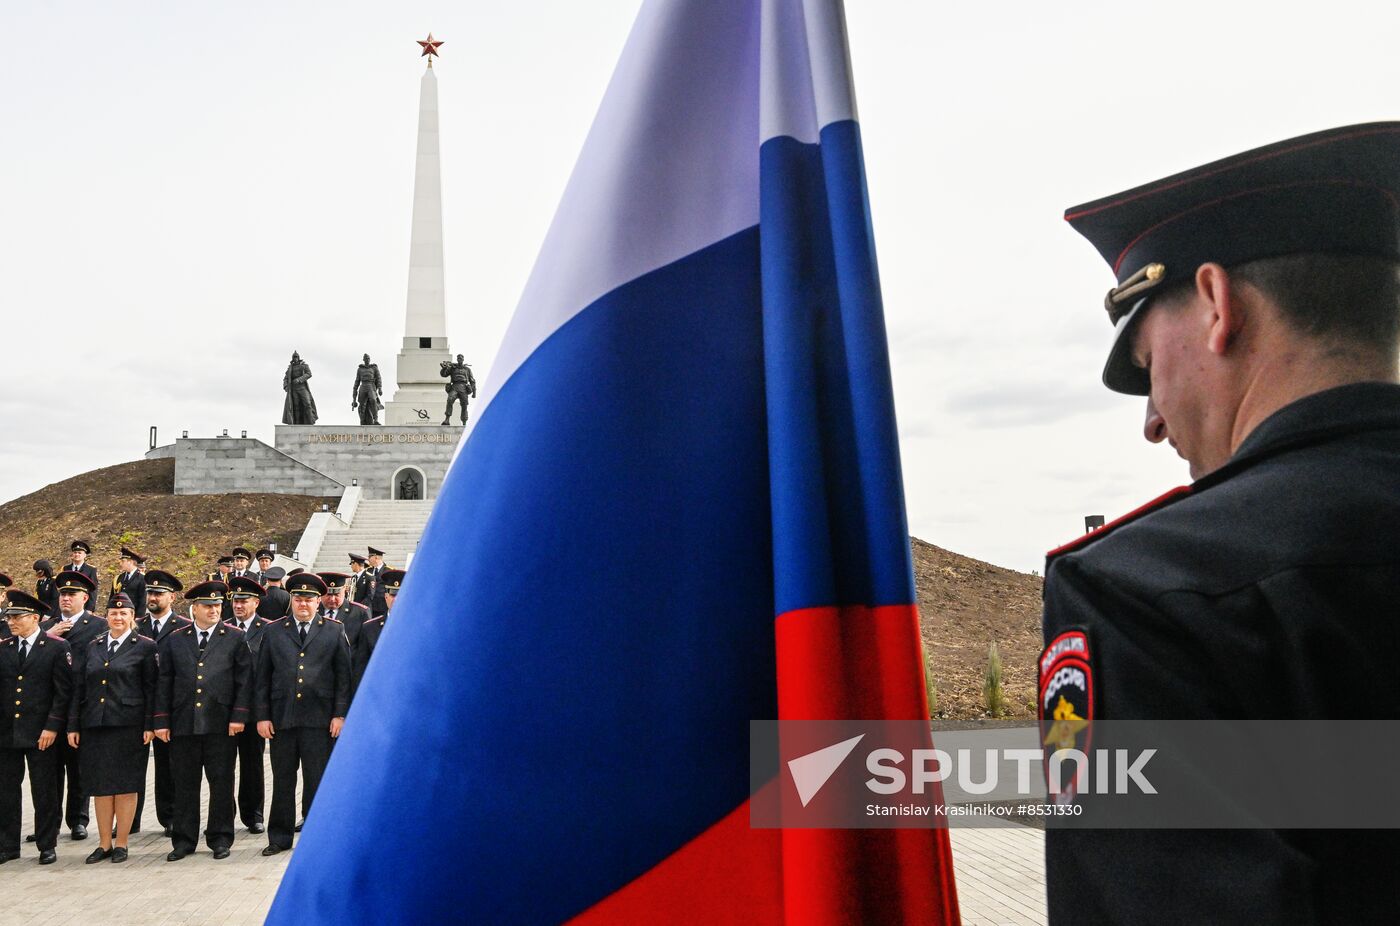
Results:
<point x="430" y="48"/>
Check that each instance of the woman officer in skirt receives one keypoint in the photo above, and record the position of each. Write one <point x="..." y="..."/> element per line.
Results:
<point x="114" y="696"/>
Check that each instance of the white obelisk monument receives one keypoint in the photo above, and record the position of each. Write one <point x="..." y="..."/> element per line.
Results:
<point x="421" y="395"/>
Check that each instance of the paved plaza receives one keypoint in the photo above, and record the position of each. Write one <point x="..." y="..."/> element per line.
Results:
<point x="1000" y="873"/>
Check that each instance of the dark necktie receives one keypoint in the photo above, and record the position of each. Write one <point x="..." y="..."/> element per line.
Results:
<point x="301" y="629"/>
<point x="23" y="651"/>
<point x="111" y="647"/>
<point x="203" y="640"/>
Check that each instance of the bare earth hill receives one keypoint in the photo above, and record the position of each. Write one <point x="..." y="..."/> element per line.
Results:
<point x="964" y="604"/>
<point x="134" y="505"/>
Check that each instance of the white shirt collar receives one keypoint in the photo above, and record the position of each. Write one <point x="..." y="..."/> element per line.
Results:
<point x="32" y="638"/>
<point x="118" y="640"/>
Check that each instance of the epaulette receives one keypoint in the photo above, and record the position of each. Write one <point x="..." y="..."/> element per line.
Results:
<point x="331" y="619"/>
<point x="1099" y="533"/>
<point x="276" y="620"/>
<point x="54" y="636"/>
<point x="375" y="620"/>
<point x="142" y="636"/>
<point x="189" y="629"/>
<point x="9" y="640"/>
<point x="356" y="604"/>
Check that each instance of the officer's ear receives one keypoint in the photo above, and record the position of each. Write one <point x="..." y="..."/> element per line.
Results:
<point x="1224" y="312"/>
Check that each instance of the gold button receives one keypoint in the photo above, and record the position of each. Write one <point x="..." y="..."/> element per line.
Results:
<point x="105" y="664"/>
<point x="17" y="704"/>
<point x="104" y="681"/>
<point x="21" y="678"/>
<point x="199" y="691"/>
<point x="17" y="715"/>
<point x="301" y="655"/>
<point x="197" y="704"/>
<point x="199" y="678"/>
<point x="298" y="694"/>
<point x="300" y="680"/>
<point x="301" y="667"/>
<point x="101" y="700"/>
<point x="201" y="665"/>
<point x="19" y="690"/>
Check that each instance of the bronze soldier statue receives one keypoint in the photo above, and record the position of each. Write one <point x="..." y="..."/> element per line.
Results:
<point x="462" y="384"/>
<point x="300" y="407"/>
<point x="368" y="388"/>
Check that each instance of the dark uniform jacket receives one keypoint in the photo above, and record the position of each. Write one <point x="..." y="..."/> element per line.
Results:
<point x="43" y="687"/>
<point x="89" y="570"/>
<point x="299" y="687"/>
<point x="115" y="690"/>
<point x="376" y="603"/>
<point x="1268" y="589"/>
<point x="253" y="637"/>
<point x="146" y="626"/>
<point x="86" y="628"/>
<point x="364" y="585"/>
<point x="134" y="584"/>
<point x="203" y="693"/>
<point x="363" y="649"/>
<point x="276" y="604"/>
<point x="46" y="590"/>
<point x="352" y="617"/>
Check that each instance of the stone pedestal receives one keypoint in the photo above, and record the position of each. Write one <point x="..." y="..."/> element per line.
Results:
<point x="386" y="462"/>
<point x="422" y="392"/>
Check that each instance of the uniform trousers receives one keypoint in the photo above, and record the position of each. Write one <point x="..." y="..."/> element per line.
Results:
<point x="194" y="758"/>
<point x="44" y="769"/>
<point x="75" y="811"/>
<point x="165" y="789"/>
<point x="250" y="775"/>
<point x="310" y="749"/>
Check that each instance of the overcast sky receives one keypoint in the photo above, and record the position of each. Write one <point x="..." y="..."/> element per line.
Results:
<point x="190" y="191"/>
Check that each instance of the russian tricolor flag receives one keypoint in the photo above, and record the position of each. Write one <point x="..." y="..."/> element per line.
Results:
<point x="679" y="509"/>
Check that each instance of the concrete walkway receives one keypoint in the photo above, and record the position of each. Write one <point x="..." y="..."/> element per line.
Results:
<point x="1000" y="874"/>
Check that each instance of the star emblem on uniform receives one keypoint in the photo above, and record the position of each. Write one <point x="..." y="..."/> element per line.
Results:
<point x="430" y="46"/>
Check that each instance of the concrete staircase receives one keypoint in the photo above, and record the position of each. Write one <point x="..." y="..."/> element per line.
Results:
<point x="391" y="526"/>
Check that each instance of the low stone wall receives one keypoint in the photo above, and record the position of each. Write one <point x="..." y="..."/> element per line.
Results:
<point x="377" y="458"/>
<point x="226" y="465"/>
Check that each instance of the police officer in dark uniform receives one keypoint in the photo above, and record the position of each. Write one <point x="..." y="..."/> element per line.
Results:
<point x="110" y="717"/>
<point x="1257" y="307"/>
<point x="130" y="581"/>
<point x="40" y="670"/>
<point x="79" y="627"/>
<point x="265" y="558"/>
<point x="363" y="580"/>
<point x="45" y="589"/>
<point x="275" y="603"/>
<point x="206" y="680"/>
<point x="247" y="595"/>
<point x="78" y="552"/>
<point x="160" y="622"/>
<point x="333" y="604"/>
<point x="376" y="568"/>
<point x="363" y="649"/>
<point x="303" y="693"/>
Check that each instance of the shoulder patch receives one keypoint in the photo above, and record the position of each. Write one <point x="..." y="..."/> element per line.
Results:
<point x="1069" y="643"/>
<point x="1159" y="502"/>
<point x="1065" y="708"/>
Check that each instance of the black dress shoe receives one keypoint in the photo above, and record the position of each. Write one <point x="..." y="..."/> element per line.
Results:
<point x="80" y="832"/>
<point x="48" y="857"/>
<point x="118" y="854"/>
<point x="273" y="850"/>
<point x="30" y="838"/>
<point x="299" y="825"/>
<point x="176" y="855"/>
<point x="8" y="857"/>
<point x="221" y="852"/>
<point x="98" y="855"/>
<point x="256" y="828"/>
